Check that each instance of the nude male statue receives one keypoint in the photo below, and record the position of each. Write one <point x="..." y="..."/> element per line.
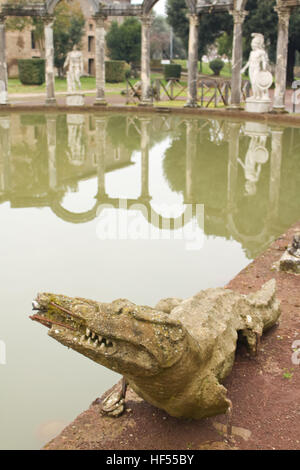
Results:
<point x="74" y="66"/>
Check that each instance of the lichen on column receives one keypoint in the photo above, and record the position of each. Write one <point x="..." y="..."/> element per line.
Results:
<point x="146" y="21"/>
<point x="281" y="59"/>
<point x="193" y="61"/>
<point x="100" y="60"/>
<point x="3" y="67"/>
<point x="49" y="56"/>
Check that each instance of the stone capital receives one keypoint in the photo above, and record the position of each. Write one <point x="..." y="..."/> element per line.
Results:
<point x="239" y="16"/>
<point x="48" y="20"/>
<point x="100" y="20"/>
<point x="194" y="19"/>
<point x="283" y="13"/>
<point x="146" y="19"/>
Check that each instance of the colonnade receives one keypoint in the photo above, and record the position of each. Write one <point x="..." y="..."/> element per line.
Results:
<point x="196" y="9"/>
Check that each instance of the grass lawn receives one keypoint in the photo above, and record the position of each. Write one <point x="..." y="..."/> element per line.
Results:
<point x="15" y="86"/>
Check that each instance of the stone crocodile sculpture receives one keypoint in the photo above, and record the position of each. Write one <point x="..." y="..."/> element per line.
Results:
<point x="174" y="356"/>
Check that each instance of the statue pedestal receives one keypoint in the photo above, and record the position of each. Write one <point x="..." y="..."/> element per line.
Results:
<point x="258" y="106"/>
<point x="75" y="99"/>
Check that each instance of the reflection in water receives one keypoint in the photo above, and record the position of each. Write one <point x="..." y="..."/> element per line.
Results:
<point x="233" y="169"/>
<point x="256" y="155"/>
<point x="72" y="165"/>
<point x="76" y="148"/>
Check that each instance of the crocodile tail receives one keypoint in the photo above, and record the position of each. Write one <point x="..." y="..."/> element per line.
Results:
<point x="266" y="302"/>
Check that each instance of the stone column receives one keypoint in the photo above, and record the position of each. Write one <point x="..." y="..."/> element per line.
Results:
<point x="101" y="123"/>
<point x="51" y="142"/>
<point x="145" y="138"/>
<point x="100" y="60"/>
<point x="49" y="56"/>
<point x="146" y="21"/>
<point x="193" y="61"/>
<point x="281" y="60"/>
<point x="237" y="57"/>
<point x="3" y="68"/>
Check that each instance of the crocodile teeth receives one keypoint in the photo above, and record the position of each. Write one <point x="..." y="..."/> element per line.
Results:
<point x="88" y="332"/>
<point x="82" y="338"/>
<point x="89" y="341"/>
<point x="102" y="346"/>
<point x="96" y="342"/>
<point x="93" y="335"/>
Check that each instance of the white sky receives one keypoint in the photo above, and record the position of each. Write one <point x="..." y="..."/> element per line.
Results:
<point x="160" y="7"/>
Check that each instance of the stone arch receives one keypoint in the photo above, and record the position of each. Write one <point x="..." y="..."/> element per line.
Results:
<point x="51" y="4"/>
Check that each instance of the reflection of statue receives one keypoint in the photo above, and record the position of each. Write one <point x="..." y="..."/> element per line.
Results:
<point x="76" y="150"/>
<point x="256" y="156"/>
<point x="261" y="79"/>
<point x="74" y="64"/>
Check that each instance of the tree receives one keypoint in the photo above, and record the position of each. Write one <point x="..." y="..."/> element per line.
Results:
<point x="68" y="30"/>
<point x="211" y="26"/>
<point x="124" y="41"/>
<point x="160" y="37"/>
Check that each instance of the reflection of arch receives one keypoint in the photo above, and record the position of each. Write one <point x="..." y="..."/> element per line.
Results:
<point x="51" y="4"/>
<point x="262" y="238"/>
<point x="73" y="217"/>
<point x="150" y="215"/>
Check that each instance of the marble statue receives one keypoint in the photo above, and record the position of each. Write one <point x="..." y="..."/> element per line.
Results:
<point x="74" y="66"/>
<point x="290" y="260"/>
<point x="175" y="356"/>
<point x="261" y="79"/>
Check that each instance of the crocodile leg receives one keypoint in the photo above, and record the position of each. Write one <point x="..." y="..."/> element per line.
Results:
<point x="114" y="404"/>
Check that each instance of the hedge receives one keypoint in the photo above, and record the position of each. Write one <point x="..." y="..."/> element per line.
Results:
<point x="31" y="71"/>
<point x="216" y="66"/>
<point x="115" y="71"/>
<point x="172" y="71"/>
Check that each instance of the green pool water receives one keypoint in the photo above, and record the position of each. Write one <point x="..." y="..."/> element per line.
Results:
<point x="108" y="206"/>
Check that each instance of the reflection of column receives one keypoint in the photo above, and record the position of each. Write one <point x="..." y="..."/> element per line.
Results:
<point x="51" y="142"/>
<point x="145" y="138"/>
<point x="237" y="57"/>
<point x="281" y="60"/>
<point x="191" y="155"/>
<point x="275" y="169"/>
<point x="233" y="154"/>
<point x="4" y="153"/>
<point x="193" y="61"/>
<point x="3" y="68"/>
<point x="100" y="154"/>
<point x="49" y="56"/>
<point x="76" y="148"/>
<point x="146" y="21"/>
<point x="100" y="60"/>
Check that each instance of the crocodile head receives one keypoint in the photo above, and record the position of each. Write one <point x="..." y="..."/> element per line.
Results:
<point x="132" y="340"/>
